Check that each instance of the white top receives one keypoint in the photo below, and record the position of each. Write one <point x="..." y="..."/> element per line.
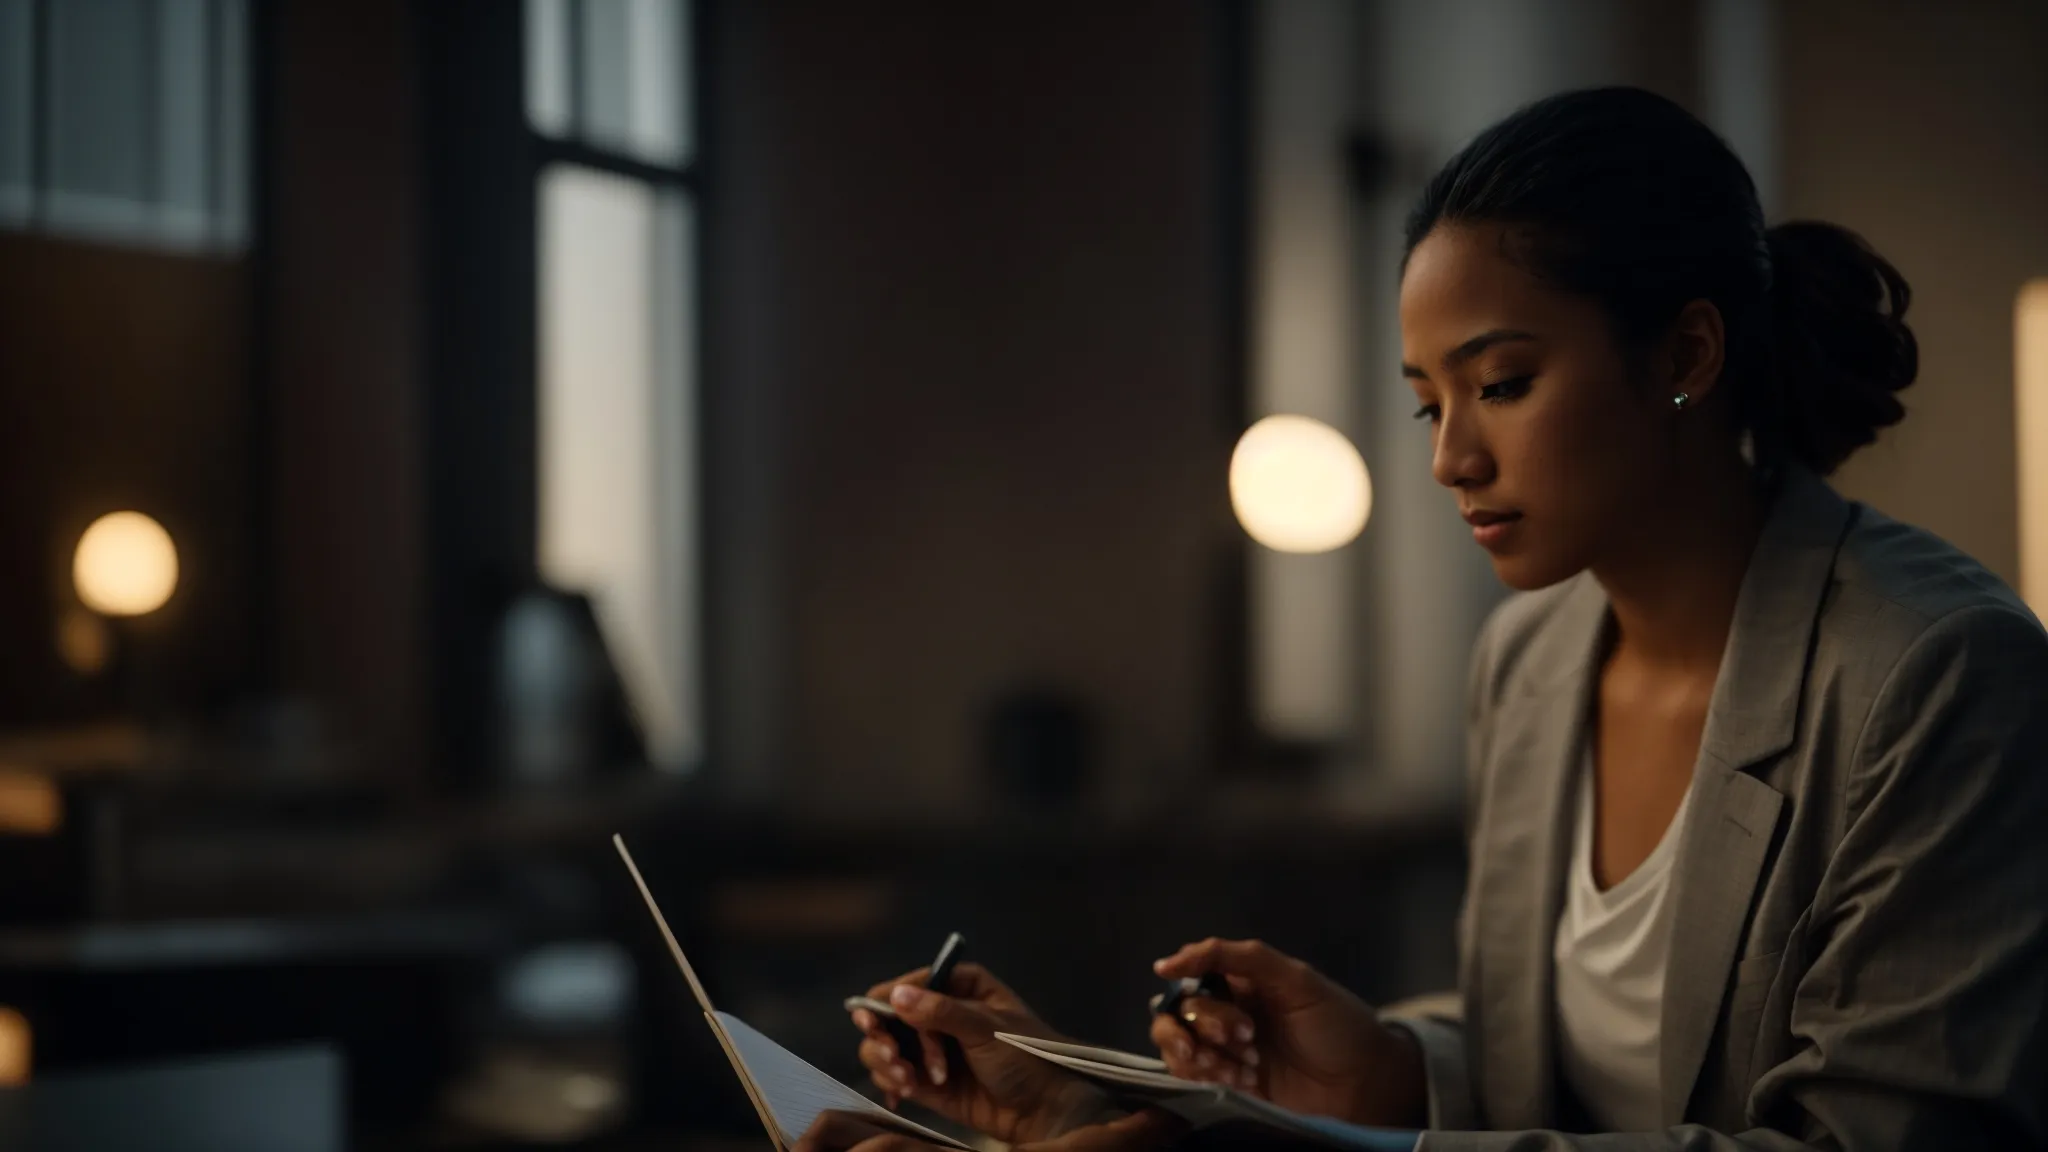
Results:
<point x="1610" y="951"/>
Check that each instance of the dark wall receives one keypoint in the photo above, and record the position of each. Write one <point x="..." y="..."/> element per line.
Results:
<point x="971" y="335"/>
<point x="123" y="384"/>
<point x="968" y="390"/>
<point x="343" y="394"/>
<point x="263" y="407"/>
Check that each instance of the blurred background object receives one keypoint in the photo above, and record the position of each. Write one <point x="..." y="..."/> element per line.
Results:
<point x="910" y="469"/>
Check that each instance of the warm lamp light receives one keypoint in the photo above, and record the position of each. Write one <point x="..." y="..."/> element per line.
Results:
<point x="126" y="565"/>
<point x="14" y="1048"/>
<point x="1298" y="485"/>
<point x="2030" y="412"/>
<point x="30" y="804"/>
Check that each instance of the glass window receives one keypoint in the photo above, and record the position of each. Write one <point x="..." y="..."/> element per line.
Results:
<point x="100" y="60"/>
<point x="124" y="120"/>
<point x="613" y="74"/>
<point x="16" y="86"/>
<point x="618" y="506"/>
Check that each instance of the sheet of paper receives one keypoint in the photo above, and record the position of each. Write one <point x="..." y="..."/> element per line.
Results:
<point x="1114" y="1056"/>
<point x="1127" y="1075"/>
<point x="795" y="1092"/>
<point x="1131" y="1071"/>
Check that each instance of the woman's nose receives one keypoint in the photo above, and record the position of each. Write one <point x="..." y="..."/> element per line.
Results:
<point x="1459" y="458"/>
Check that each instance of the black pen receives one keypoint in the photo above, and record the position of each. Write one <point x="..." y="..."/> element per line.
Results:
<point x="939" y="978"/>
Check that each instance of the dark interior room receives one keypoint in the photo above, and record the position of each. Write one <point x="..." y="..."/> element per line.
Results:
<point x="903" y="468"/>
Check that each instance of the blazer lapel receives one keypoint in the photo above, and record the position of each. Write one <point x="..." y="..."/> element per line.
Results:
<point x="1541" y="736"/>
<point x="1733" y="816"/>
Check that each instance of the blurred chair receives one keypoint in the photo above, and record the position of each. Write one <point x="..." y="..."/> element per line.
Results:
<point x="283" y="1100"/>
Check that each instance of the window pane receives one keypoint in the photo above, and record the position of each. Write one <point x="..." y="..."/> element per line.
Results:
<point x="660" y="76"/>
<point x="15" y="32"/>
<point x="547" y="66"/>
<point x="99" y="123"/>
<point x="635" y="78"/>
<point x="605" y="94"/>
<point x="183" y="58"/>
<point x="616" y="434"/>
<point x="231" y="220"/>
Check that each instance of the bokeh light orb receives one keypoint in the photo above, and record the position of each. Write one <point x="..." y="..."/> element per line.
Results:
<point x="125" y="565"/>
<point x="1299" y="485"/>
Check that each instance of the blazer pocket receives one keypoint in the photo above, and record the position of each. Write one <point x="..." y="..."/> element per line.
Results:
<point x="1754" y="979"/>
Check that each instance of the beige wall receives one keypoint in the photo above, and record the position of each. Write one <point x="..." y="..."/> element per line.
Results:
<point x="1925" y="127"/>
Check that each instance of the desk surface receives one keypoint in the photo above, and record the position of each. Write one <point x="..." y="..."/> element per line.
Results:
<point x="161" y="944"/>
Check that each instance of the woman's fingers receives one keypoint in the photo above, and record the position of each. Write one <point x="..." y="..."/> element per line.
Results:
<point x="1175" y="1046"/>
<point x="891" y="1097"/>
<point x="934" y="1056"/>
<point x="1225" y="1026"/>
<point x="914" y="976"/>
<point x="887" y="1066"/>
<point x="1189" y="1058"/>
<point x="1247" y="958"/>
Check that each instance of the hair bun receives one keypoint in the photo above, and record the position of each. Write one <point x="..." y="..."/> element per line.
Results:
<point x="1840" y="342"/>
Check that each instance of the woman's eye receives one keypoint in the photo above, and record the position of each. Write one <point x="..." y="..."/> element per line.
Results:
<point x="1429" y="412"/>
<point x="1506" y="389"/>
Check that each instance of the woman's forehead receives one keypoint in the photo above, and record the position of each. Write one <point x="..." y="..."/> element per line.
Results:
<point x="1460" y="281"/>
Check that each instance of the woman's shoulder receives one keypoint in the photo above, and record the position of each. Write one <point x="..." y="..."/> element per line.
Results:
<point x="1916" y="642"/>
<point x="1898" y="588"/>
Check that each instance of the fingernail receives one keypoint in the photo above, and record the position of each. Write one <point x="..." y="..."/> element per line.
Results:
<point x="938" y="1073"/>
<point x="902" y="1073"/>
<point x="906" y="996"/>
<point x="1244" y="1033"/>
<point x="1159" y="966"/>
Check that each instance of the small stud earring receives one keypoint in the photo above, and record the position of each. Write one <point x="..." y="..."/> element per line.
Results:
<point x="1679" y="402"/>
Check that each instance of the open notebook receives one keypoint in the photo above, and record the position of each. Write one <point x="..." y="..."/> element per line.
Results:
<point x="1138" y="1081"/>
<point x="787" y="1092"/>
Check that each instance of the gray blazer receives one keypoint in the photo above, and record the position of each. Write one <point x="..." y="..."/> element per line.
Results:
<point x="1861" y="897"/>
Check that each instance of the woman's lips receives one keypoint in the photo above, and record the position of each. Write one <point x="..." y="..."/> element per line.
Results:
<point x="1491" y="530"/>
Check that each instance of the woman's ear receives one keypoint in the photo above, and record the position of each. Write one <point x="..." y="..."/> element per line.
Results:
<point x="1694" y="353"/>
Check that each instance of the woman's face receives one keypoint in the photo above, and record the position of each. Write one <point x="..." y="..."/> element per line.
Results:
<point x="1553" y="448"/>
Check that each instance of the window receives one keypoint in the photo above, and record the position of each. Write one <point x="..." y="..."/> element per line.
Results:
<point x="608" y="96"/>
<point x="126" y="120"/>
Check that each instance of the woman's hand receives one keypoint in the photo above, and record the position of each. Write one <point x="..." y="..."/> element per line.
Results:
<point x="1291" y="1035"/>
<point x="1008" y="1094"/>
<point x="1139" y="1132"/>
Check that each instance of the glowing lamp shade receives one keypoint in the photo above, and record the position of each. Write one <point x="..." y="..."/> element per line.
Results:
<point x="2030" y="411"/>
<point x="1298" y="485"/>
<point x="126" y="565"/>
<point x="15" y="1048"/>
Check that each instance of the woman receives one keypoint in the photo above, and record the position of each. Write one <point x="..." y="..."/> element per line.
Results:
<point x="1757" y="774"/>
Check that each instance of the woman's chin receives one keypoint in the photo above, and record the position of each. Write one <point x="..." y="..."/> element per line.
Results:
<point x="1525" y="572"/>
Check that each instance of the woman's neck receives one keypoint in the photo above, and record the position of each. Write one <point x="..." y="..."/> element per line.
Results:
<point x="1673" y="588"/>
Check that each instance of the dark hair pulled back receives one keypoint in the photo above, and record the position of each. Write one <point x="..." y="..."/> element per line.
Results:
<point x="1622" y="196"/>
